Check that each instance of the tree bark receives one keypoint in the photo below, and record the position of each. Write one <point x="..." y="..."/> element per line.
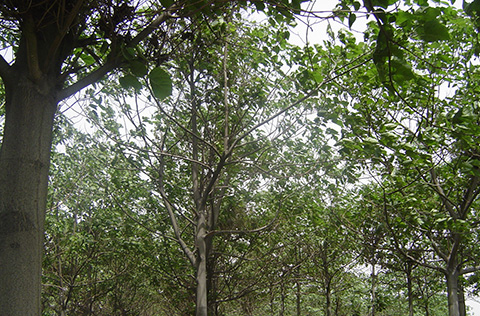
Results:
<point x="461" y="301"/>
<point x="373" y="289"/>
<point x="409" y="288"/>
<point x="328" y="299"/>
<point x="202" y="306"/>
<point x="452" y="292"/>
<point x="299" y="296"/>
<point x="24" y="164"/>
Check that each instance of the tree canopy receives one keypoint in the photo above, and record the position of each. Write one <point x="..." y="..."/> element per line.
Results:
<point x="191" y="157"/>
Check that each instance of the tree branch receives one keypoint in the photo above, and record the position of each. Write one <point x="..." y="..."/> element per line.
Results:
<point x="302" y="99"/>
<point x="469" y="196"/>
<point x="469" y="270"/>
<point x="437" y="188"/>
<point x="190" y="255"/>
<point x="115" y="59"/>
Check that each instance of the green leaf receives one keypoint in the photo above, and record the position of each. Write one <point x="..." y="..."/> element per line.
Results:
<point x="138" y="68"/>
<point x="259" y="5"/>
<point x="404" y="17"/>
<point x="351" y="19"/>
<point x="129" y="81"/>
<point x="317" y="76"/>
<point x="128" y="53"/>
<point x="161" y="83"/>
<point x="402" y="70"/>
<point x="383" y="3"/>
<point x="356" y="5"/>
<point x="433" y="31"/>
<point x="166" y="3"/>
<point x="87" y="59"/>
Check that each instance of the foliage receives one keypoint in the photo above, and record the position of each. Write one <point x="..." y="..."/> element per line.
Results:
<point x="214" y="124"/>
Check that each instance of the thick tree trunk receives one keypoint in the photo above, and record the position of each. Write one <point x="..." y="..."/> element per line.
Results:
<point x="24" y="163"/>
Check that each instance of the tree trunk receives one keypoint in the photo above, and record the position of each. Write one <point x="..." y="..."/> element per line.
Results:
<point x="299" y="296"/>
<point x="211" y="279"/>
<point x="328" y="298"/>
<point x="409" y="289"/>
<point x="452" y="292"/>
<point x="24" y="164"/>
<point x="461" y="301"/>
<point x="201" y="267"/>
<point x="373" y="289"/>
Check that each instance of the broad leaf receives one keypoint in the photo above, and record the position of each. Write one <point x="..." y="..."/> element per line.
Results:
<point x="129" y="81"/>
<point x="138" y="68"/>
<point x="161" y="83"/>
<point x="433" y="31"/>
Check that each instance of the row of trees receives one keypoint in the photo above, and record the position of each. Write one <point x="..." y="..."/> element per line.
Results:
<point x="222" y="169"/>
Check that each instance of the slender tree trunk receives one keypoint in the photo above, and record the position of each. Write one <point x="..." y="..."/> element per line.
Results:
<point x="409" y="289"/>
<point x="282" y="298"/>
<point x="202" y="306"/>
<point x="24" y="164"/>
<point x="452" y="293"/>
<point x="299" y="296"/>
<point x="373" y="289"/>
<point x="328" y="298"/>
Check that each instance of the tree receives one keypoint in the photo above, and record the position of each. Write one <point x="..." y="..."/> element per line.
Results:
<point x="60" y="47"/>
<point x="206" y="148"/>
<point x="99" y="257"/>
<point x="408" y="136"/>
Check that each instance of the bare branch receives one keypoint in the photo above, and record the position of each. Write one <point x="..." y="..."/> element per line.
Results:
<point x="470" y="270"/>
<point x="190" y="255"/>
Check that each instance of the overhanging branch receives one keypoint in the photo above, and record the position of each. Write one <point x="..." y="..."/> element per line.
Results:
<point x="115" y="60"/>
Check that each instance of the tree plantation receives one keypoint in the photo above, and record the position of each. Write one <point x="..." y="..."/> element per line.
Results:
<point x="279" y="157"/>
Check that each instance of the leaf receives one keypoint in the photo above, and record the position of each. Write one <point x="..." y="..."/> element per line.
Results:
<point x="390" y="126"/>
<point x="166" y="3"/>
<point x="128" y="53"/>
<point x="87" y="59"/>
<point x="404" y="17"/>
<point x="383" y="3"/>
<point x="259" y="5"/>
<point x="351" y="19"/>
<point x="317" y="76"/>
<point x="138" y="68"/>
<point x="356" y="5"/>
<point x="161" y="83"/>
<point x="129" y="81"/>
<point x="433" y="31"/>
<point x="402" y="70"/>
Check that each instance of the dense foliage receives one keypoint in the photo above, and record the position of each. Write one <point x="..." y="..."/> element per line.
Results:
<point x="221" y="168"/>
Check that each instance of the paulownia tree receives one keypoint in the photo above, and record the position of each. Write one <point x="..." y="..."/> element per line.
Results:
<point x="53" y="49"/>
<point x="418" y="139"/>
